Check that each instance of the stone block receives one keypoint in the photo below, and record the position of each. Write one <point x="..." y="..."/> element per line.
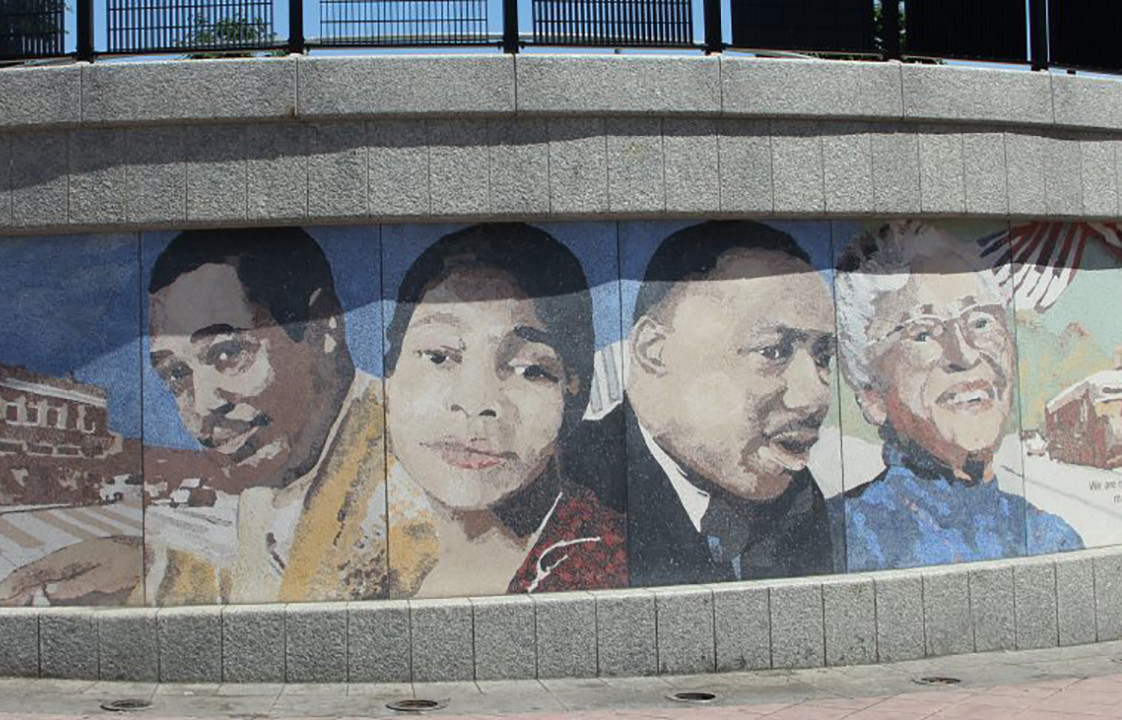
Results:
<point x="850" y="615"/>
<point x="796" y="167"/>
<point x="684" y="619"/>
<point x="97" y="176"/>
<point x="459" y="167"/>
<point x="797" y="632"/>
<point x="635" y="165"/>
<point x="40" y="96"/>
<point x="156" y="176"/>
<point x="68" y="644"/>
<point x="565" y="625"/>
<point x="337" y="170"/>
<point x="253" y="645"/>
<point x="128" y="648"/>
<point x="626" y="633"/>
<point x="942" y="171"/>
<point x="226" y="89"/>
<point x="1063" y="175"/>
<point x="847" y="167"/>
<point x="992" y="608"/>
<point x="899" y="599"/>
<point x="519" y="162"/>
<point x="5" y="179"/>
<point x="947" y="626"/>
<point x="689" y="147"/>
<point x="443" y="640"/>
<point x="578" y="166"/>
<point x="315" y="643"/>
<point x="217" y="184"/>
<point x="810" y="88"/>
<point x="1025" y="159"/>
<point x="505" y="645"/>
<point x="386" y="85"/>
<point x="576" y="85"/>
<point x="1035" y="586"/>
<point x="398" y="156"/>
<point x="39" y="178"/>
<point x="190" y="641"/>
<point x="1075" y="600"/>
<point x="277" y="172"/>
<point x="378" y="646"/>
<point x="1087" y="102"/>
<point x="744" y="153"/>
<point x="940" y="92"/>
<point x="1100" y="178"/>
<point x="742" y="626"/>
<point x="895" y="170"/>
<point x="985" y="181"/>
<point x="1108" y="597"/>
<point x="19" y="653"/>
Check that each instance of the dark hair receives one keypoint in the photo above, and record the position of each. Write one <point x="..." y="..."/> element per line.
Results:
<point x="693" y="252"/>
<point x="280" y="268"/>
<point x="547" y="271"/>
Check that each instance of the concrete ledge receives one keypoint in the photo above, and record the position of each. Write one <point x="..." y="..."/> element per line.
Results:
<point x="1034" y="602"/>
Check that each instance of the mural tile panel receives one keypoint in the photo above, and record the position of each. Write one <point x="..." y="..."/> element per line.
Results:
<point x="71" y="489"/>
<point x="264" y="444"/>
<point x="502" y="369"/>
<point x="731" y="429"/>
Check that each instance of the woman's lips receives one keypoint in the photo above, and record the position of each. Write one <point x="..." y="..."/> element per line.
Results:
<point x="468" y="456"/>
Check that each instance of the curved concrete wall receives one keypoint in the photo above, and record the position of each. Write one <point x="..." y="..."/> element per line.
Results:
<point x="823" y="152"/>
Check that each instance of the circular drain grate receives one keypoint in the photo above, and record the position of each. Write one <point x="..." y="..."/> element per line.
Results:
<point x="936" y="680"/>
<point x="693" y="696"/>
<point x="416" y="705"/>
<point x="126" y="705"/>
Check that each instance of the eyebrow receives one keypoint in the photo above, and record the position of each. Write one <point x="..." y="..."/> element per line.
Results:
<point x="157" y="356"/>
<point x="535" y="335"/>
<point x="212" y="330"/>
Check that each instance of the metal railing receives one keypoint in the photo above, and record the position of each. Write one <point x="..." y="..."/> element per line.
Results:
<point x="1066" y="33"/>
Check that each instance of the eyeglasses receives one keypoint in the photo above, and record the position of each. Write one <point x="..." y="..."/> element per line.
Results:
<point x="923" y="339"/>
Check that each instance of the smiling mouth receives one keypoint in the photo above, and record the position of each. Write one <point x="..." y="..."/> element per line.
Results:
<point x="790" y="449"/>
<point x="972" y="396"/>
<point x="466" y="456"/>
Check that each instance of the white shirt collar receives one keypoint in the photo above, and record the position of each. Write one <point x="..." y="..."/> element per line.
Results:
<point x="694" y="500"/>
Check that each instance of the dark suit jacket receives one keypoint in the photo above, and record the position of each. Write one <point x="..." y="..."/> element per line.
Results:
<point x="795" y="535"/>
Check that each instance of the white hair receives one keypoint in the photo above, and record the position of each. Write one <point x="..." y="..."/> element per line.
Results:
<point x="874" y="264"/>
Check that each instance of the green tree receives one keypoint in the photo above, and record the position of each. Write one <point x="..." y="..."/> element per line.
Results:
<point x="233" y="33"/>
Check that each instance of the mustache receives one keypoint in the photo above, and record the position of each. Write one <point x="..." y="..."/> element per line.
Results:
<point x="812" y="421"/>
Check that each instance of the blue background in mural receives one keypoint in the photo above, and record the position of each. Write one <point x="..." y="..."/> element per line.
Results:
<point x="356" y="262"/>
<point x="73" y="304"/>
<point x="594" y="243"/>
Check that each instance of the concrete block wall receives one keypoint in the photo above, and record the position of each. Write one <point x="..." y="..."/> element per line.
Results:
<point x="808" y="622"/>
<point x="310" y="140"/>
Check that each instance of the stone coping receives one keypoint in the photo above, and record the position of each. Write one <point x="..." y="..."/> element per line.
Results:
<point x="1047" y="601"/>
<point x="251" y="90"/>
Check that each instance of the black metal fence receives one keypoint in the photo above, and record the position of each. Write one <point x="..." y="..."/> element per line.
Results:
<point x="1066" y="33"/>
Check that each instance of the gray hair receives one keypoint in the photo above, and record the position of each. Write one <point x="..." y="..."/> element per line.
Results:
<point x="874" y="264"/>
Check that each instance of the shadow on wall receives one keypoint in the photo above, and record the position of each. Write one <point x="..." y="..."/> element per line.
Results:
<point x="290" y="415"/>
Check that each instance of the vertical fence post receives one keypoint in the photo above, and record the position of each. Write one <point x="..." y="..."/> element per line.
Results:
<point x="296" y="27"/>
<point x="1038" y="32"/>
<point x="85" y="30"/>
<point x="890" y="21"/>
<point x="510" y="26"/>
<point x="713" y="35"/>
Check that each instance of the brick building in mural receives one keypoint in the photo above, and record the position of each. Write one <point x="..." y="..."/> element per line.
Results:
<point x="55" y="441"/>
<point x="1084" y="422"/>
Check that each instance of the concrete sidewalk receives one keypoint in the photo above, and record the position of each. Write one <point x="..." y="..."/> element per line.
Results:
<point x="1053" y="684"/>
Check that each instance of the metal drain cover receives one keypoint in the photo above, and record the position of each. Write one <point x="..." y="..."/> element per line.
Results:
<point x="126" y="705"/>
<point x="416" y="705"/>
<point x="693" y="696"/>
<point x="936" y="680"/>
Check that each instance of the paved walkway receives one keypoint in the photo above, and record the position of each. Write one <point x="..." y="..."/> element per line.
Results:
<point x="1080" y="682"/>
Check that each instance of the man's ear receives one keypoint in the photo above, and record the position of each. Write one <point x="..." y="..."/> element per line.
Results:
<point x="872" y="406"/>
<point x="648" y="339"/>
<point x="326" y="324"/>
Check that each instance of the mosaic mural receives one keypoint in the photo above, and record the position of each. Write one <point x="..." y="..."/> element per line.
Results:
<point x="305" y="414"/>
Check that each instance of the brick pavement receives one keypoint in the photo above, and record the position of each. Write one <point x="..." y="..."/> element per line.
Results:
<point x="1056" y="684"/>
